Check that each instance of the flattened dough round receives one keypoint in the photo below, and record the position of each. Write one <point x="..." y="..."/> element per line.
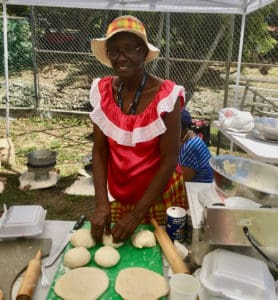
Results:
<point x="107" y="256"/>
<point x="107" y="240"/>
<point x="82" y="283"/>
<point x="140" y="283"/>
<point x="82" y="238"/>
<point x="143" y="239"/>
<point x="77" y="257"/>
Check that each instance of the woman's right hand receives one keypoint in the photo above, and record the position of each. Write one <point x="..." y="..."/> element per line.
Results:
<point x="100" y="222"/>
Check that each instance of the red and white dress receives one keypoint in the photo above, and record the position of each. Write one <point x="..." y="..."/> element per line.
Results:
<point x="134" y="147"/>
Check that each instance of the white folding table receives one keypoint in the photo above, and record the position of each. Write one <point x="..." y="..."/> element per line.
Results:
<point x="261" y="150"/>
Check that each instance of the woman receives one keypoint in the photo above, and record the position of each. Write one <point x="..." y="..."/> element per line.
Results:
<point x="136" y="119"/>
<point x="194" y="154"/>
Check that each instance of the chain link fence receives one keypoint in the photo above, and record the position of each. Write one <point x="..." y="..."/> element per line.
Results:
<point x="51" y="66"/>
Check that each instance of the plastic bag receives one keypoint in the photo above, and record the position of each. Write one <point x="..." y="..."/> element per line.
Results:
<point x="235" y="120"/>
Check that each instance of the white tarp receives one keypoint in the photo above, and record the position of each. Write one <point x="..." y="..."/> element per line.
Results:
<point x="185" y="6"/>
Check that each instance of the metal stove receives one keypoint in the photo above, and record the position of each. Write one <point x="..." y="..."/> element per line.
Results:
<point x="41" y="171"/>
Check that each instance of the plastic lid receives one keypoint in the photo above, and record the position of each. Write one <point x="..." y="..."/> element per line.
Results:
<point x="236" y="276"/>
<point x="176" y="212"/>
<point x="23" y="220"/>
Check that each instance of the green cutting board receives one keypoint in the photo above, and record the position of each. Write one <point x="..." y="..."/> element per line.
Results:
<point x="149" y="258"/>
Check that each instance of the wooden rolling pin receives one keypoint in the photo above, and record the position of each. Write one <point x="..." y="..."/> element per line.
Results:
<point x="30" y="278"/>
<point x="168" y="248"/>
<point x="1" y="295"/>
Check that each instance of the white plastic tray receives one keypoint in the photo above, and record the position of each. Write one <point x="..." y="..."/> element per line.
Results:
<point x="23" y="221"/>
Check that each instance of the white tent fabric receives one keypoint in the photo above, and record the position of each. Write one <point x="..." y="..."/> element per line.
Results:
<point x="241" y="7"/>
<point x="188" y="6"/>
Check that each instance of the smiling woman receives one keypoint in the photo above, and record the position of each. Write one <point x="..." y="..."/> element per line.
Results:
<point x="136" y="119"/>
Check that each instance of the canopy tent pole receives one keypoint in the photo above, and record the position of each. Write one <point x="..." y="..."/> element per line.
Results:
<point x="5" y="42"/>
<point x="227" y="73"/>
<point x="242" y="32"/>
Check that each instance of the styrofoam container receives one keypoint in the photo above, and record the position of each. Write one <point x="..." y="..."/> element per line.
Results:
<point x="231" y="275"/>
<point x="23" y="221"/>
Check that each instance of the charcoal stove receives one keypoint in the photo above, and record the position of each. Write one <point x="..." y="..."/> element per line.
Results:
<point x="41" y="171"/>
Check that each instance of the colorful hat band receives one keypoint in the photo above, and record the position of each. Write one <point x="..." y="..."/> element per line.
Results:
<point x="125" y="23"/>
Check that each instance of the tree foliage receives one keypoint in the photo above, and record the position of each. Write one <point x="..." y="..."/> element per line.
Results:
<point x="19" y="44"/>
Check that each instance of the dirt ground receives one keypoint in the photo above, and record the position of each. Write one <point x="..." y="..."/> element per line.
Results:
<point x="71" y="138"/>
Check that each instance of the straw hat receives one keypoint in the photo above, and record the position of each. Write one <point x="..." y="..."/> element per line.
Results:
<point x="120" y="24"/>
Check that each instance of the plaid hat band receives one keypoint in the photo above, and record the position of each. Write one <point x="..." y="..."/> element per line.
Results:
<point x="125" y="23"/>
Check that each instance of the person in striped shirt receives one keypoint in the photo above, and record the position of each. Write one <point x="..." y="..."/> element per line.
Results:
<point x="194" y="154"/>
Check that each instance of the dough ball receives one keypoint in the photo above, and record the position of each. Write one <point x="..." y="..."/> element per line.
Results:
<point x="142" y="284"/>
<point x="107" y="256"/>
<point x="107" y="240"/>
<point x="85" y="283"/>
<point x="77" y="257"/>
<point x="82" y="238"/>
<point x="143" y="239"/>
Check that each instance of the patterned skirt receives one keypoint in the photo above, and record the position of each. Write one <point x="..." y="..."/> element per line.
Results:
<point x="174" y="195"/>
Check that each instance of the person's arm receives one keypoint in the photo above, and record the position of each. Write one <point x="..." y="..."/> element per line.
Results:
<point x="187" y="159"/>
<point x="169" y="150"/>
<point x="187" y="173"/>
<point x="101" y="217"/>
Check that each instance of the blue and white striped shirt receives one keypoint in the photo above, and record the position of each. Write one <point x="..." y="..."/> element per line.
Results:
<point x="195" y="154"/>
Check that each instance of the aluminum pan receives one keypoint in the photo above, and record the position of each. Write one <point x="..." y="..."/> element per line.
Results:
<point x="268" y="127"/>
<point x="238" y="176"/>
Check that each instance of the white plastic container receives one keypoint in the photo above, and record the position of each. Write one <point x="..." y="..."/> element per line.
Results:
<point x="23" y="221"/>
<point x="231" y="275"/>
<point x="184" y="287"/>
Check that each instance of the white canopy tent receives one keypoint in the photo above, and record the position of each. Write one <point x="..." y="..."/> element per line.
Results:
<point x="188" y="6"/>
<point x="240" y="7"/>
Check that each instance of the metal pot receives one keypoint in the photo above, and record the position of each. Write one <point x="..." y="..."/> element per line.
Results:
<point x="41" y="158"/>
<point x="237" y="176"/>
